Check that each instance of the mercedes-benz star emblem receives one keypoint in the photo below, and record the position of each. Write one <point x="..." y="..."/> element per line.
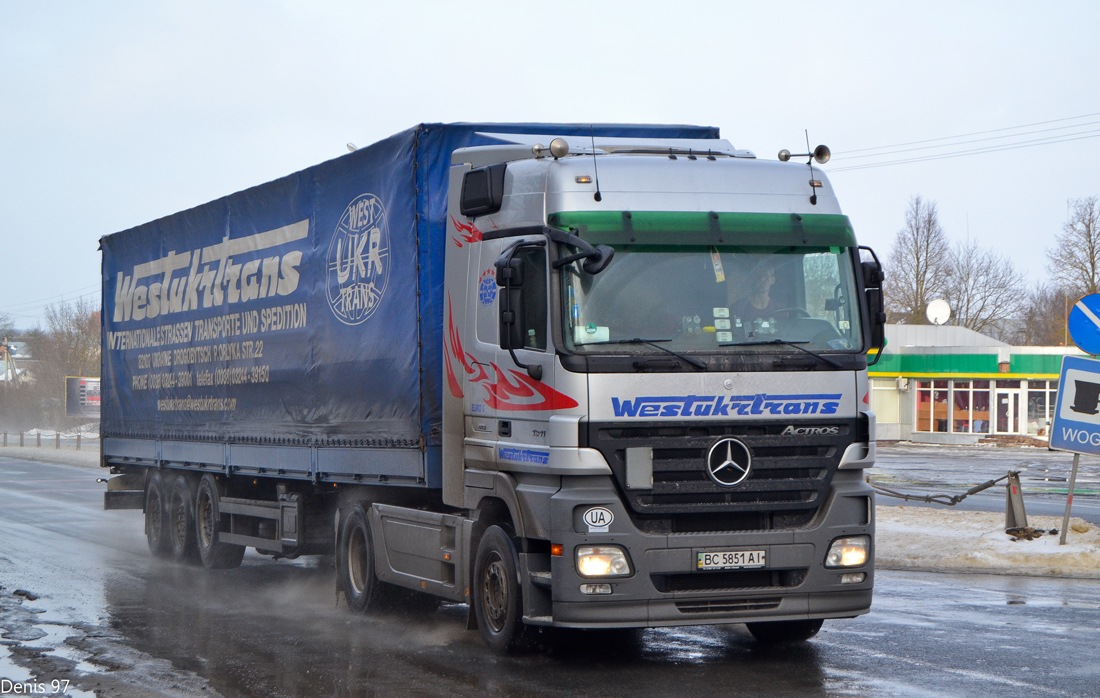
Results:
<point x="729" y="462"/>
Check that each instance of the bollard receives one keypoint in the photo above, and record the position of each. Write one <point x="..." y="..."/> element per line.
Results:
<point x="57" y="441"/>
<point x="1015" y="516"/>
<point x="5" y="439"/>
<point x="78" y="441"/>
<point x="20" y="439"/>
<point x="38" y="440"/>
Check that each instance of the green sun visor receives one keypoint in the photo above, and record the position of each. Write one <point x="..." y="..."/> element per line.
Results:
<point x="707" y="228"/>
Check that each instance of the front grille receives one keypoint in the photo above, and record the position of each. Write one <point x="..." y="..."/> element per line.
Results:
<point x="722" y="581"/>
<point x="790" y="474"/>
<point x="726" y="605"/>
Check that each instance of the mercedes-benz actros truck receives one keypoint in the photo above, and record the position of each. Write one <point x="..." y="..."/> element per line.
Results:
<point x="573" y="376"/>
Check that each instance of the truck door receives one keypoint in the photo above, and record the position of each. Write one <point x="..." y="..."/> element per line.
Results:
<point x="508" y="406"/>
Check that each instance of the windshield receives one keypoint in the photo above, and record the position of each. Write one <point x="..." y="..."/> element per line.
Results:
<point x="714" y="299"/>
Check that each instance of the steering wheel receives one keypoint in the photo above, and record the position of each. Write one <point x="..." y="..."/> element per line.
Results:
<point x="797" y="312"/>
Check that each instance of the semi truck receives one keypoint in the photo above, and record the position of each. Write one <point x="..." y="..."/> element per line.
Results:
<point x="571" y="375"/>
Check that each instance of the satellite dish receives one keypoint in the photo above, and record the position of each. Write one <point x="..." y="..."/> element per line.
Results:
<point x="938" y="312"/>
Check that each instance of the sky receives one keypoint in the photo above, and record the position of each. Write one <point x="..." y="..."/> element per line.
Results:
<point x="116" y="113"/>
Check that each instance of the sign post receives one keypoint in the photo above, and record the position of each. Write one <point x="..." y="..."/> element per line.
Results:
<point x="1076" y="424"/>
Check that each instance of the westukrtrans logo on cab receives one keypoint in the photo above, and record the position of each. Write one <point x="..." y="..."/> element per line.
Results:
<point x="726" y="406"/>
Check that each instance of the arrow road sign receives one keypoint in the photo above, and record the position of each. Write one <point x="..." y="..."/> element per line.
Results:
<point x="1084" y="323"/>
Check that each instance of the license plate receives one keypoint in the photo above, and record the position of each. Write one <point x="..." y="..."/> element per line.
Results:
<point x="733" y="560"/>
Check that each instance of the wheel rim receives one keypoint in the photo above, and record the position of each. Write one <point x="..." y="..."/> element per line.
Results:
<point x="494" y="592"/>
<point x="179" y="521"/>
<point x="357" y="560"/>
<point x="206" y="520"/>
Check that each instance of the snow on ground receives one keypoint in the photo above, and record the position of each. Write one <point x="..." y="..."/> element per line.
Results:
<point x="921" y="538"/>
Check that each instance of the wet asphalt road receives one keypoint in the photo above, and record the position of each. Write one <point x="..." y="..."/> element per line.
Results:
<point x="114" y="621"/>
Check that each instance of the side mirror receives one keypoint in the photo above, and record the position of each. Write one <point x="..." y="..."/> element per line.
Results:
<point x="877" y="312"/>
<point x="872" y="274"/>
<point x="510" y="280"/>
<point x="599" y="262"/>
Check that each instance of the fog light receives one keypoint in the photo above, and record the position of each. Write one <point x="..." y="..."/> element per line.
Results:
<point x="853" y="578"/>
<point x="595" y="588"/>
<point x="848" y="552"/>
<point x="602" y="561"/>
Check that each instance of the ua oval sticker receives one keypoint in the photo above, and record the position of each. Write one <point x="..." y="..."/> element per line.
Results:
<point x="598" y="518"/>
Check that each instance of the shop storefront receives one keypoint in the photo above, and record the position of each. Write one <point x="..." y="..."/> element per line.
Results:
<point x="951" y="385"/>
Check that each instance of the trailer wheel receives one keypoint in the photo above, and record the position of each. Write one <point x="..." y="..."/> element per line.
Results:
<point x="498" y="601"/>
<point x="779" y="631"/>
<point x="181" y="521"/>
<point x="355" y="561"/>
<point x="156" y="515"/>
<point x="209" y="525"/>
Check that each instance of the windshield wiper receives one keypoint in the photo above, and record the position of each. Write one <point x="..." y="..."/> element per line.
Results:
<point x="653" y="343"/>
<point x="787" y="343"/>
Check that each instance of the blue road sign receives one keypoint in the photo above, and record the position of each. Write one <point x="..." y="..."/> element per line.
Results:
<point x="1076" y="425"/>
<point x="1084" y="323"/>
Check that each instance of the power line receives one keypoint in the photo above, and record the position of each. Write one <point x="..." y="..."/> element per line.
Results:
<point x="973" y="151"/>
<point x="24" y="305"/>
<point x="975" y="133"/>
<point x="975" y="140"/>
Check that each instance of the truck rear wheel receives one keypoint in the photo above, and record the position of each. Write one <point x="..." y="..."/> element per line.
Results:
<point x="156" y="515"/>
<point x="775" y="632"/>
<point x="355" y="561"/>
<point x="209" y="525"/>
<point x="181" y="521"/>
<point x="498" y="601"/>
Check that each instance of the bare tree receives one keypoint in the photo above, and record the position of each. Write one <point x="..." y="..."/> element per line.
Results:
<point x="919" y="264"/>
<point x="1044" y="317"/>
<point x="1074" y="261"/>
<point x="984" y="289"/>
<point x="69" y="346"/>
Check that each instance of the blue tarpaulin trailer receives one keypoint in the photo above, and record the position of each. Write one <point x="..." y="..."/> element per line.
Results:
<point x="242" y="323"/>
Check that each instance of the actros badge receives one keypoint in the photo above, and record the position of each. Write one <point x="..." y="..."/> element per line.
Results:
<point x="357" y="266"/>
<point x="729" y="462"/>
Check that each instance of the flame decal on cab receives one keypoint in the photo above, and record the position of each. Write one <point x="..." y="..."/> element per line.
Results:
<point x="517" y="392"/>
<point x="469" y="232"/>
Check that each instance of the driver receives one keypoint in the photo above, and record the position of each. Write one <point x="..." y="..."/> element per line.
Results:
<point x="758" y="304"/>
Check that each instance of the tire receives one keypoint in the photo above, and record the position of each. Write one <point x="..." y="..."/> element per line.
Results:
<point x="156" y="515"/>
<point x="181" y="521"/>
<point x="355" y="561"/>
<point x="209" y="524"/>
<point x="782" y="631"/>
<point x="498" y="597"/>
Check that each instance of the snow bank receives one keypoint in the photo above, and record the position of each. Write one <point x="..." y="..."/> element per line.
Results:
<point x="921" y="538"/>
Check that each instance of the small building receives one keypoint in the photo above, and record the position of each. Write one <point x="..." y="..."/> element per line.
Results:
<point x="951" y="385"/>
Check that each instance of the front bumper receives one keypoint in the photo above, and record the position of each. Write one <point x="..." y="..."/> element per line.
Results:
<point x="666" y="589"/>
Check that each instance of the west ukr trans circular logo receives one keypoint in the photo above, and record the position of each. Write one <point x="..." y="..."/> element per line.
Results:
<point x="358" y="265"/>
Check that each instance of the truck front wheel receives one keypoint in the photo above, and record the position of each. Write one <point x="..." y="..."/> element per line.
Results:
<point x="156" y="515"/>
<point x="355" y="561"/>
<point x="775" y="632"/>
<point x="498" y="602"/>
<point x="209" y="525"/>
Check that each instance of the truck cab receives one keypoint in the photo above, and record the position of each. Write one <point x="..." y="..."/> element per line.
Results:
<point x="655" y="358"/>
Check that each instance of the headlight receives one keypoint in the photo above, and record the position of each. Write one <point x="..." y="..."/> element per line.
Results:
<point x="602" y="561"/>
<point x="849" y="552"/>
